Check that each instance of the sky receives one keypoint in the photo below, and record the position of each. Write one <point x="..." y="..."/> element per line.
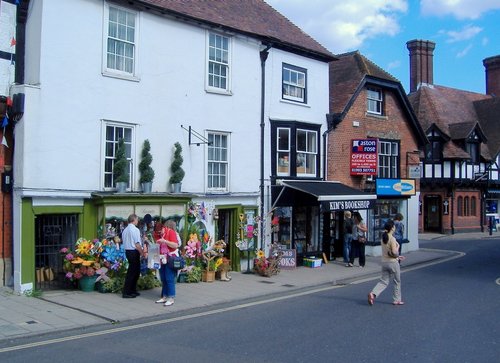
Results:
<point x="465" y="33"/>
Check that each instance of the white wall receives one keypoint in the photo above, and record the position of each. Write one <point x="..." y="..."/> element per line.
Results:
<point x="62" y="129"/>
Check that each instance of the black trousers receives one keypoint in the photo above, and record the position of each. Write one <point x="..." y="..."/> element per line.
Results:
<point x="357" y="250"/>
<point x="133" y="272"/>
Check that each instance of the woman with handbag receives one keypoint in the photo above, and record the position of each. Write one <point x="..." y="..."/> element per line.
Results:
<point x="359" y="230"/>
<point x="390" y="266"/>
<point x="168" y="249"/>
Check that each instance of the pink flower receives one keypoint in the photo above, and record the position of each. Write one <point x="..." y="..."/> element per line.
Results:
<point x="69" y="257"/>
<point x="64" y="250"/>
<point x="69" y="275"/>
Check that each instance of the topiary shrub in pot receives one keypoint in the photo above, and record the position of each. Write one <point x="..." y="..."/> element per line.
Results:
<point x="120" y="168"/>
<point x="176" y="169"/>
<point x="145" y="169"/>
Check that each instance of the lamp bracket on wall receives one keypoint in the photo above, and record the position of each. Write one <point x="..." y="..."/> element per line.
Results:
<point x="200" y="139"/>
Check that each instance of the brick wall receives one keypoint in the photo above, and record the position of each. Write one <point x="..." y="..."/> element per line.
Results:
<point x="395" y="125"/>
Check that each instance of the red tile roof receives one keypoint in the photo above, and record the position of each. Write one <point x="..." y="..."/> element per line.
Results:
<point x="252" y="17"/>
<point x="347" y="73"/>
<point x="454" y="112"/>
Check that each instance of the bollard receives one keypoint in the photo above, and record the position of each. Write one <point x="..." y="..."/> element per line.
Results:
<point x="491" y="225"/>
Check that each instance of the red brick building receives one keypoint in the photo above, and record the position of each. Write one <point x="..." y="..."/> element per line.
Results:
<point x="366" y="102"/>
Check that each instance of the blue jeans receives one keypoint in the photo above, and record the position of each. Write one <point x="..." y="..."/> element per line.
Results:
<point x="167" y="277"/>
<point x="347" y="246"/>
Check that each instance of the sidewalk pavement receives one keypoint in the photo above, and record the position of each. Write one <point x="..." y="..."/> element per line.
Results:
<point x="59" y="310"/>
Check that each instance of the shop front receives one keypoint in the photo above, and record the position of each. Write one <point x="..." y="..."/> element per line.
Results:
<point x="309" y="219"/>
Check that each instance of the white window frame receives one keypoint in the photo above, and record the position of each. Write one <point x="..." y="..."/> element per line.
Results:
<point x="310" y="153"/>
<point x="218" y="56"/>
<point x="375" y="99"/>
<point x="109" y="154"/>
<point x="294" y="82"/>
<point x="215" y="152"/>
<point x="283" y="155"/>
<point x="388" y="156"/>
<point x="114" y="72"/>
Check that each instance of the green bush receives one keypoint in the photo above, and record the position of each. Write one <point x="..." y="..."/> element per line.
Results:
<point x="176" y="168"/>
<point x="147" y="172"/>
<point x="120" y="168"/>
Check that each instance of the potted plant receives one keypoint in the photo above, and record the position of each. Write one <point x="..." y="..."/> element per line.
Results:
<point x="176" y="169"/>
<point x="120" y="168"/>
<point x="147" y="172"/>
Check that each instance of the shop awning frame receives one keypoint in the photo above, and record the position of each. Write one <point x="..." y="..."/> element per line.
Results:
<point x="326" y="191"/>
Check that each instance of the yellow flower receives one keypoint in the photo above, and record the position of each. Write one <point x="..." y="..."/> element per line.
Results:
<point x="87" y="263"/>
<point x="218" y="262"/>
<point x="260" y="254"/>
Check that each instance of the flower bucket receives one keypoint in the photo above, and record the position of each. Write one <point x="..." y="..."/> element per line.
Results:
<point x="207" y="276"/>
<point x="87" y="283"/>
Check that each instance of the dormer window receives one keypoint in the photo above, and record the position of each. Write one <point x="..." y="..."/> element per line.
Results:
<point x="374" y="101"/>
<point x="434" y="149"/>
<point x="472" y="147"/>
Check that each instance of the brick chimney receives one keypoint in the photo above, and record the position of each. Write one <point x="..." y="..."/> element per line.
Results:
<point x="421" y="63"/>
<point x="492" y="70"/>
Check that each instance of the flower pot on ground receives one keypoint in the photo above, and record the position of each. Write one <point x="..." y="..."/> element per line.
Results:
<point x="145" y="169"/>
<point x="176" y="169"/>
<point x="87" y="283"/>
<point x="120" y="167"/>
<point x="208" y="276"/>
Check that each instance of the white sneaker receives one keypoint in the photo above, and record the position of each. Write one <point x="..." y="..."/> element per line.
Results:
<point x="161" y="301"/>
<point x="169" y="302"/>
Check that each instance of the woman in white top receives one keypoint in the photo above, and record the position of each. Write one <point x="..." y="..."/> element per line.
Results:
<point x="390" y="266"/>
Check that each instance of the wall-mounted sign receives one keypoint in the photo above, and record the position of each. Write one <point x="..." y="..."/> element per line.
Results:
<point x="364" y="157"/>
<point x="446" y="207"/>
<point x="395" y="187"/>
<point x="347" y="204"/>
<point x="414" y="171"/>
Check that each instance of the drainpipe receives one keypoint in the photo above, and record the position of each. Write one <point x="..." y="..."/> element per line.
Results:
<point x="263" y="57"/>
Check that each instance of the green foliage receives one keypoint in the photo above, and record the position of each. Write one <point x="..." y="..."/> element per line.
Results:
<point x="176" y="166"/>
<point x="194" y="275"/>
<point x="147" y="172"/>
<point x="120" y="168"/>
<point x="148" y="281"/>
<point x="33" y="293"/>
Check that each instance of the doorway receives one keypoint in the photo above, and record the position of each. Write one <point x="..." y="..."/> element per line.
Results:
<point x="432" y="218"/>
<point x="226" y="231"/>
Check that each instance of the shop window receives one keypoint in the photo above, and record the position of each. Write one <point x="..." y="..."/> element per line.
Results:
<point x="283" y="151"/>
<point x="307" y="152"/>
<point x="382" y="212"/>
<point x="460" y="206"/>
<point x="295" y="150"/>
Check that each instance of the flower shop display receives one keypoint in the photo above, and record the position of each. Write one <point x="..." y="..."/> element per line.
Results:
<point x="223" y="266"/>
<point x="268" y="266"/>
<point x="102" y="264"/>
<point x="211" y="250"/>
<point x="192" y="255"/>
<point x="81" y="264"/>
